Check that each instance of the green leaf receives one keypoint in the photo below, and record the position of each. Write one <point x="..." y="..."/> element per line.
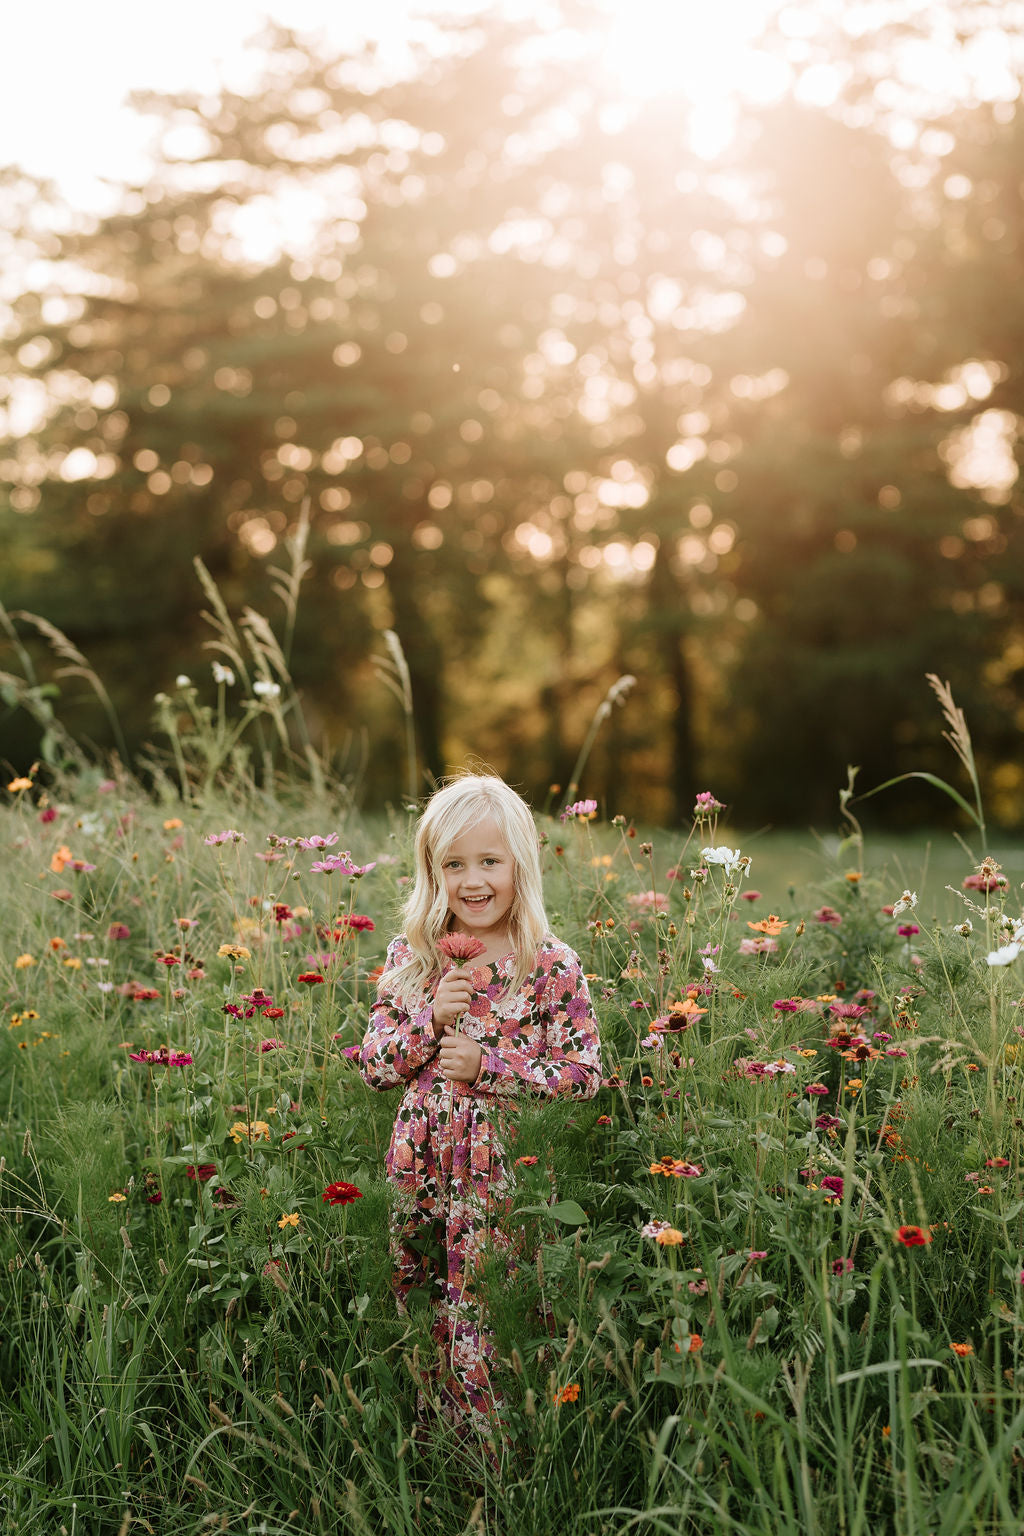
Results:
<point x="929" y="778"/>
<point x="568" y="1211"/>
<point x="884" y="1368"/>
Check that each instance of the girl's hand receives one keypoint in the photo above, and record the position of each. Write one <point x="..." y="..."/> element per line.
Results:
<point x="459" y="1057"/>
<point x="453" y="996"/>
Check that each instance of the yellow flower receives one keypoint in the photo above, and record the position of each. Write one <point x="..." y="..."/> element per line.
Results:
<point x="669" y="1237"/>
<point x="808" y="1053"/>
<point x="73" y="963"/>
<point x="23" y="962"/>
<point x="15" y="1021"/>
<point x="116" y="1199"/>
<point x="235" y="951"/>
<point x="17" y="785"/>
<point x="256" y="1130"/>
<point x="289" y="1221"/>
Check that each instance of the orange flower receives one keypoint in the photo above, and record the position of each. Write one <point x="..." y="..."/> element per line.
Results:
<point x="854" y="876"/>
<point x="173" y="824"/>
<point x="913" y="1237"/>
<point x="61" y="857"/>
<point x="568" y="1394"/>
<point x="17" y="785"/>
<point x="772" y="925"/>
<point x="669" y="1237"/>
<point x="963" y="1350"/>
<point x="696" y="1343"/>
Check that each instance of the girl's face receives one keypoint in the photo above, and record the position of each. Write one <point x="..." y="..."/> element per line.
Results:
<point x="479" y="877"/>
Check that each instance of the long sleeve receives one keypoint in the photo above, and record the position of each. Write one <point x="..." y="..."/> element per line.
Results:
<point x="396" y="1044"/>
<point x="570" y="1064"/>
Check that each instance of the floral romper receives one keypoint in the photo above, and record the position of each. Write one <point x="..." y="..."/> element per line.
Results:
<point x="449" y="1153"/>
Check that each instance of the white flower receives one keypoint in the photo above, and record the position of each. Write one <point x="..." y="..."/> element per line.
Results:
<point x="181" y="681"/>
<point x="1006" y="954"/>
<point x="222" y="674"/>
<point x="266" y="690"/>
<point x="906" y="903"/>
<point x="730" y="859"/>
<point x="964" y="928"/>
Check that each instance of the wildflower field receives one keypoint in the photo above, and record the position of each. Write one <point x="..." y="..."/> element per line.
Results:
<point x="775" y="1273"/>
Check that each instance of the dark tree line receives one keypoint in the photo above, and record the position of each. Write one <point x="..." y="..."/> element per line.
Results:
<point x="566" y="402"/>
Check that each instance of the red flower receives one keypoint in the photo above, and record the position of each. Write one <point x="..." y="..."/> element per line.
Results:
<point x="311" y="978"/>
<point x="460" y="946"/>
<point x="119" y="931"/>
<point x="202" y="1173"/>
<point x="358" y="921"/>
<point x="341" y="1194"/>
<point x="913" y="1237"/>
<point x="273" y="1013"/>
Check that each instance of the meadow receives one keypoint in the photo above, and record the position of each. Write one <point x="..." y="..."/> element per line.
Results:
<point x="774" y="1273"/>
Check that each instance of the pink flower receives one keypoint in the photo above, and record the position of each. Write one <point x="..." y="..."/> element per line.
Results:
<point x="580" y="810"/>
<point x="751" y="896"/>
<point x="695" y="1287"/>
<point x="833" y="1183"/>
<point x="842" y="1266"/>
<point x="316" y="841"/>
<point x="763" y="946"/>
<point x="828" y="915"/>
<point x="119" y="931"/>
<point x="706" y="805"/>
<point x="358" y="922"/>
<point x="271" y="1045"/>
<point x="988" y="882"/>
<point x="827" y="1122"/>
<point x="460" y="946"/>
<point x="907" y="930"/>
<point x="755" y="1254"/>
<point x="214" y="839"/>
<point x="50" y="814"/>
<point x="817" y="1088"/>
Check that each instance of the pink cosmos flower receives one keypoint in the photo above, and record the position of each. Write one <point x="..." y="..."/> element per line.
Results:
<point x="316" y="841"/>
<point x="829" y="916"/>
<point x="213" y="839"/>
<point x="763" y="946"/>
<point x="706" y="804"/>
<point x="580" y="810"/>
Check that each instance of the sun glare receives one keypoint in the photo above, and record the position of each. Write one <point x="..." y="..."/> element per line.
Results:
<point x="706" y="55"/>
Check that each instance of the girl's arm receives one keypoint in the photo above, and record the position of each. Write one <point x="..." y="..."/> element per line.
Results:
<point x="571" y="1064"/>
<point x="396" y="1044"/>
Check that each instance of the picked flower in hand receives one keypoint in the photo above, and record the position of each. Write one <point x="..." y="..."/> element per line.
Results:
<point x="460" y="947"/>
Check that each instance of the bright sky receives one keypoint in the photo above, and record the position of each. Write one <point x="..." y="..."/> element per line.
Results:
<point x="68" y="68"/>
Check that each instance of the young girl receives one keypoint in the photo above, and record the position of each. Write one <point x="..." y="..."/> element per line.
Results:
<point x="466" y="1043"/>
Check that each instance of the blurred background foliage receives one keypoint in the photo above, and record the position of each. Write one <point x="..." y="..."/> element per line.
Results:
<point x="567" y="400"/>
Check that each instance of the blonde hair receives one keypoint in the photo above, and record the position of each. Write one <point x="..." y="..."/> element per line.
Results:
<point x="461" y="805"/>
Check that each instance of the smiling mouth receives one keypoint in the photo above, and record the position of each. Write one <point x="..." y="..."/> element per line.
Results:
<point x="475" y="901"/>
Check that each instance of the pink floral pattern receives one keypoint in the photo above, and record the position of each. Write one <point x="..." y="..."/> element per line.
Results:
<point x="449" y="1154"/>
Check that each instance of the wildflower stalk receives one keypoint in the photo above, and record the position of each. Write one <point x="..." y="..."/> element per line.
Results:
<point x="393" y="671"/>
<point x="616" y="694"/>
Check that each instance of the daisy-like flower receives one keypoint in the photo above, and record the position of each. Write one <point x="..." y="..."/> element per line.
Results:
<point x="288" y="1220"/>
<point x="310" y="978"/>
<point x="341" y="1193"/>
<point x="730" y="860"/>
<point x="771" y="926"/>
<point x="271" y="1045"/>
<point x="913" y="1237"/>
<point x="316" y="841"/>
<point x="214" y="839"/>
<point x="668" y="1237"/>
<point x="234" y="952"/>
<point x="117" y="1198"/>
<point x="906" y="903"/>
<point x="256" y="1130"/>
<point x="23" y="962"/>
